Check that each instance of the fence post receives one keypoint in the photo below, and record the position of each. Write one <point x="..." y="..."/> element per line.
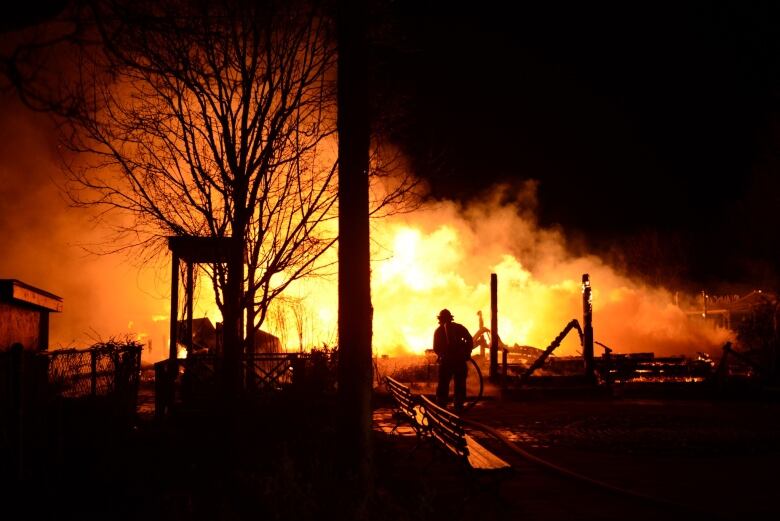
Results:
<point x="137" y="374"/>
<point x="299" y="371"/>
<point x="93" y="372"/>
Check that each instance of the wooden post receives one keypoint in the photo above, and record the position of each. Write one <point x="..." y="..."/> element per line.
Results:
<point x="493" y="326"/>
<point x="173" y="368"/>
<point x="174" y="307"/>
<point x="137" y="374"/>
<point x="190" y="291"/>
<point x="93" y="371"/>
<point x="482" y="343"/>
<point x="587" y="330"/>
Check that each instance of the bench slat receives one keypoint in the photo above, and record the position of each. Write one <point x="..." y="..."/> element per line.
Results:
<point x="480" y="457"/>
<point x="446" y="427"/>
<point x="406" y="404"/>
<point x="448" y="430"/>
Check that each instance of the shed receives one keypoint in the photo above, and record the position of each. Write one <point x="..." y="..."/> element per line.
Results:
<point x="206" y="339"/>
<point x="24" y="315"/>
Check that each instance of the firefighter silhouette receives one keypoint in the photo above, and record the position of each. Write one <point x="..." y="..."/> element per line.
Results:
<point x="452" y="342"/>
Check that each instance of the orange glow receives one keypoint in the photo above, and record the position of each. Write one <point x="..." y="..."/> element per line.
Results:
<point x="442" y="257"/>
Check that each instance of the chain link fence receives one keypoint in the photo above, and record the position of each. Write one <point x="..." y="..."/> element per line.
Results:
<point x="104" y="369"/>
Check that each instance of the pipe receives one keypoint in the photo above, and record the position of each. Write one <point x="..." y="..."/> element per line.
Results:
<point x="555" y="343"/>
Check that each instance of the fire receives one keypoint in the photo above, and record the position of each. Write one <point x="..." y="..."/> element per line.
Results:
<point x="442" y="257"/>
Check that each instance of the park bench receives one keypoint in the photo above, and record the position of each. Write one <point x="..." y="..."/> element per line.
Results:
<point x="407" y="410"/>
<point x="447" y="430"/>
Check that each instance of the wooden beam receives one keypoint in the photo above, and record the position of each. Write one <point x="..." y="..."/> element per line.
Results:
<point x="493" y="326"/>
<point x="201" y="249"/>
<point x="190" y="290"/>
<point x="15" y="290"/>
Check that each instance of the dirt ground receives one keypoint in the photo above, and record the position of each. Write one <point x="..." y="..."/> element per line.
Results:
<point x="673" y="458"/>
<point x="624" y="458"/>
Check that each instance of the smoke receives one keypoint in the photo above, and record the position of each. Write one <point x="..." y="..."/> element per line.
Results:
<point x="443" y="255"/>
<point x="45" y="240"/>
<point x="440" y="256"/>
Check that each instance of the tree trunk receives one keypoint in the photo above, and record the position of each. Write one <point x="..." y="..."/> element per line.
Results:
<point x="251" y="315"/>
<point x="355" y="311"/>
<point x="232" y="322"/>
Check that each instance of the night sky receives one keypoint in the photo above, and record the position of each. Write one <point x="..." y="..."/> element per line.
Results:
<point x="651" y="129"/>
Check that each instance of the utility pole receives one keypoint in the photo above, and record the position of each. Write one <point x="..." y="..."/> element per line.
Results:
<point x="355" y="310"/>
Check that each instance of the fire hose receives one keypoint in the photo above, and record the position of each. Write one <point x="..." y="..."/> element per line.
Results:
<point x="471" y="403"/>
<point x="518" y="451"/>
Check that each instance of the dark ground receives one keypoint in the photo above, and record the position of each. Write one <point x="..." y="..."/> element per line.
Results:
<point x="699" y="459"/>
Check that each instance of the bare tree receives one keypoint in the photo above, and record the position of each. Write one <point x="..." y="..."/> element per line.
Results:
<point x="201" y="119"/>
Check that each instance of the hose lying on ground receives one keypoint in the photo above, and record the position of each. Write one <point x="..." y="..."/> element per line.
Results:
<point x="585" y="479"/>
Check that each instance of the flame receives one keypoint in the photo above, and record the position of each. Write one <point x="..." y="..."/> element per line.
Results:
<point x="442" y="257"/>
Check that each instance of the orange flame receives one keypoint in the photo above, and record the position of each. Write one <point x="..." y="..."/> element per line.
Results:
<point x="442" y="257"/>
